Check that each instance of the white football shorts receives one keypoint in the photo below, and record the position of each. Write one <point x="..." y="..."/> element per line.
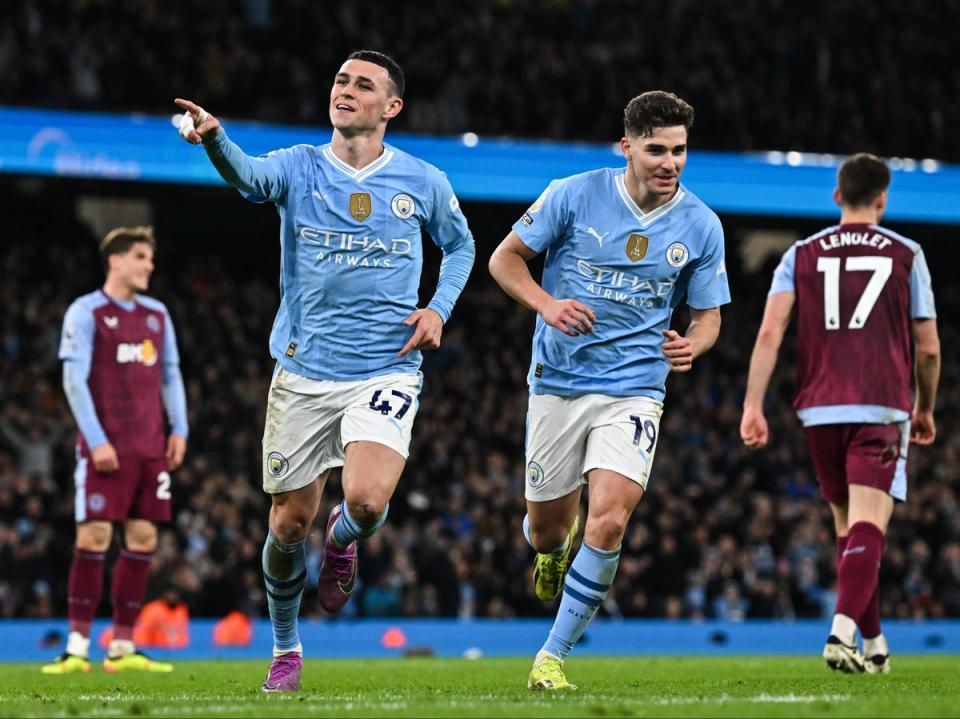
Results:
<point x="309" y="423"/>
<point x="569" y="436"/>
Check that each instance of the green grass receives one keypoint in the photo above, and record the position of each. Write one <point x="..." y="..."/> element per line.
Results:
<point x="631" y="686"/>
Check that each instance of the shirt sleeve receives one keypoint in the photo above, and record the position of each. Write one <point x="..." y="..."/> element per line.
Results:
<point x="448" y="230"/>
<point x="174" y="394"/>
<point x="76" y="337"/>
<point x="708" y="285"/>
<point x="545" y="221"/>
<point x="75" y="374"/>
<point x="921" y="289"/>
<point x="259" y="178"/>
<point x="784" y="273"/>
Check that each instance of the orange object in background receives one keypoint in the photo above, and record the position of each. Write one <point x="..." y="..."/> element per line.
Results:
<point x="394" y="638"/>
<point x="234" y="630"/>
<point x="159" y="625"/>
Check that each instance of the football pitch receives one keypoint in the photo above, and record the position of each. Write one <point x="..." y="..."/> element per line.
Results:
<point x="609" y="686"/>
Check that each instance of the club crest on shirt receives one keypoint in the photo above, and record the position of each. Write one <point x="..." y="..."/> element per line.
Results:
<point x="637" y="247"/>
<point x="678" y="254"/>
<point x="361" y="205"/>
<point x="153" y="324"/>
<point x="402" y="205"/>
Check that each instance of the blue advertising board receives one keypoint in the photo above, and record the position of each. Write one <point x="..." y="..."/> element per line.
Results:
<point x="142" y="148"/>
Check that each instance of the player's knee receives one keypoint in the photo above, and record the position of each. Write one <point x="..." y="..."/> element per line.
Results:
<point x="547" y="539"/>
<point x="606" y="530"/>
<point x="366" y="513"/>
<point x="94" y="536"/>
<point x="290" y="527"/>
<point x="142" y="539"/>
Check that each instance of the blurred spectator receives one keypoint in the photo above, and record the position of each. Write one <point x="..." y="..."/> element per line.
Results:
<point x="762" y="74"/>
<point x="723" y="531"/>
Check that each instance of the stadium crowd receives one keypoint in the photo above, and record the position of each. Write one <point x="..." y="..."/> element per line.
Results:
<point x="822" y="76"/>
<point x="723" y="532"/>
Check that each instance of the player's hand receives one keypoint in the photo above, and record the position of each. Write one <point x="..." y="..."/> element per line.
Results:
<point x="105" y="458"/>
<point x="753" y="429"/>
<point x="923" y="430"/>
<point x="176" y="449"/>
<point x="428" y="327"/>
<point x="569" y="316"/>
<point x="678" y="350"/>
<point x="205" y="126"/>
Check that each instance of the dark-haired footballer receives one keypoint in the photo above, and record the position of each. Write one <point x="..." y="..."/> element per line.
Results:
<point x="623" y="247"/>
<point x="348" y="333"/>
<point x="866" y="323"/>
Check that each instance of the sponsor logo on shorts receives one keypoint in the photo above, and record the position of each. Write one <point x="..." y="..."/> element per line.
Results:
<point x="96" y="502"/>
<point x="277" y="465"/>
<point x="534" y="474"/>
<point x="678" y="254"/>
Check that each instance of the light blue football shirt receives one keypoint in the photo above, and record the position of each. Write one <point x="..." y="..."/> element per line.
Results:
<point x="351" y="253"/>
<point x="631" y="268"/>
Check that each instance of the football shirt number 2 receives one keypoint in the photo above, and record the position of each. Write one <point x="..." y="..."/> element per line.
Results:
<point x="881" y="267"/>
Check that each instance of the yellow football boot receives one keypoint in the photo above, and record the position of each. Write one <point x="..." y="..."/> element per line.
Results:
<point x="547" y="673"/>
<point x="66" y="664"/>
<point x="136" y="662"/>
<point x="549" y="570"/>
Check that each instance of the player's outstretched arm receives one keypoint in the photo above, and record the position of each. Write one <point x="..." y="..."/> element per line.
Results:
<point x="923" y="429"/>
<point x="508" y="266"/>
<point x="753" y="425"/>
<point x="262" y="177"/>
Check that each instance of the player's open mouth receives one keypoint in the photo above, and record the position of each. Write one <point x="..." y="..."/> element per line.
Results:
<point x="345" y="108"/>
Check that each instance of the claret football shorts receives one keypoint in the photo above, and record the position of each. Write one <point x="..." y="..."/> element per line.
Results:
<point x="569" y="436"/>
<point x="309" y="423"/>
<point x="139" y="489"/>
<point x="874" y="455"/>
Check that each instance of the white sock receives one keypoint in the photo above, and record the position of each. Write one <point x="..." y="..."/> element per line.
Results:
<point x="877" y="645"/>
<point x="78" y="645"/>
<point x="296" y="650"/>
<point x="121" y="648"/>
<point x="844" y="629"/>
<point x="544" y="654"/>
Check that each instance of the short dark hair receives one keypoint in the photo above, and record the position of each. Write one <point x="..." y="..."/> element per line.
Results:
<point x="385" y="61"/>
<point x="119" y="241"/>
<point x="861" y="178"/>
<point x="651" y="110"/>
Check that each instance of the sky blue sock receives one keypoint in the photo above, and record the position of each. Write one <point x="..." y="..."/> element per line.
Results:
<point x="584" y="590"/>
<point x="347" y="529"/>
<point x="285" y="573"/>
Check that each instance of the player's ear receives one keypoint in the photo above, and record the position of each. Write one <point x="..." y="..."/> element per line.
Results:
<point x="394" y="107"/>
<point x="837" y="197"/>
<point x="625" y="146"/>
<point x="881" y="201"/>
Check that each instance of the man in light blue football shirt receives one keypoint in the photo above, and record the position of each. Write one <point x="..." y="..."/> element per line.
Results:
<point x="623" y="247"/>
<point x="348" y="332"/>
